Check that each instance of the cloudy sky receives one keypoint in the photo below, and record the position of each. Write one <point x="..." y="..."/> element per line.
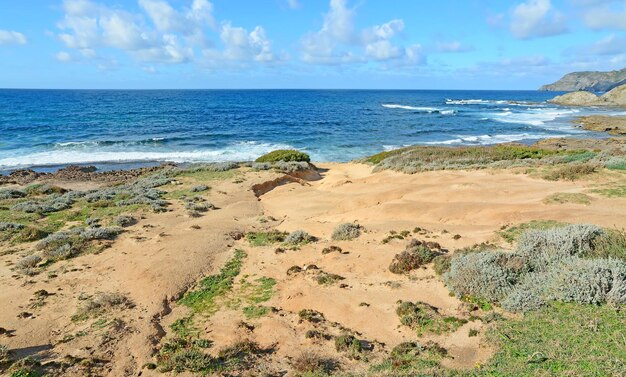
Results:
<point x="405" y="44"/>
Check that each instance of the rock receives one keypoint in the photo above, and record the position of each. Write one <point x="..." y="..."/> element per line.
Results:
<point x="580" y="98"/>
<point x="592" y="81"/>
<point x="615" y="97"/>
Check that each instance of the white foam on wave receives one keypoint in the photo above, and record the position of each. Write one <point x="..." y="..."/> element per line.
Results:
<point x="532" y="117"/>
<point x="422" y="109"/>
<point x="490" y="102"/>
<point x="487" y="139"/>
<point x="242" y="151"/>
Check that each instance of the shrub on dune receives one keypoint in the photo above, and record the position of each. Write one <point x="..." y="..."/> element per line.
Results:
<point x="346" y="232"/>
<point x="285" y="155"/>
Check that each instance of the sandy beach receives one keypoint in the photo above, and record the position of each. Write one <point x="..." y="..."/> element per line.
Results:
<point x="51" y="311"/>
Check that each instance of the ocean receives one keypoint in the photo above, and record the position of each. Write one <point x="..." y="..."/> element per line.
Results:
<point x="46" y="129"/>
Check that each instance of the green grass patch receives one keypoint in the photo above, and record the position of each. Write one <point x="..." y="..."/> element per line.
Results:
<point x="255" y="311"/>
<point x="257" y="239"/>
<point x="286" y="155"/>
<point x="511" y="234"/>
<point x="562" y="339"/>
<point x="566" y="197"/>
<point x="203" y="299"/>
<point x="612" y="192"/>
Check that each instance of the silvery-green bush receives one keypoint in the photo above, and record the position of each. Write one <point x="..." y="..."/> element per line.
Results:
<point x="298" y="237"/>
<point x="548" y="265"/>
<point x="346" y="232"/>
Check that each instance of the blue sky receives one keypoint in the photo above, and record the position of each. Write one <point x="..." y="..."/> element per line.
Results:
<point x="404" y="44"/>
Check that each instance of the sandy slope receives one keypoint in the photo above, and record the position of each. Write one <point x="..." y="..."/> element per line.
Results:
<point x="162" y="256"/>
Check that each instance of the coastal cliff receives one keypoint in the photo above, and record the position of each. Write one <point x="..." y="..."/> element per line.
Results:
<point x="593" y="81"/>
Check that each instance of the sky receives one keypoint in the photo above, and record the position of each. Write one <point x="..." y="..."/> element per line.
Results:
<point x="319" y="44"/>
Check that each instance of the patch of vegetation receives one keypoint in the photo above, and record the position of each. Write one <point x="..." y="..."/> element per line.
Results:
<point x="298" y="238"/>
<point x="101" y="303"/>
<point x="441" y="263"/>
<point x="203" y="298"/>
<point x="571" y="172"/>
<point x="612" y="192"/>
<point x="510" y="234"/>
<point x="413" y="356"/>
<point x="422" y="158"/>
<point x="562" y="339"/>
<point x="346" y="232"/>
<point x="548" y="265"/>
<point x="255" y="311"/>
<point x="424" y="318"/>
<point x="257" y="239"/>
<point x="325" y="278"/>
<point x="416" y="254"/>
<point x="311" y="315"/>
<point x="564" y="197"/>
<point x="610" y="244"/>
<point x="349" y="345"/>
<point x="285" y="155"/>
<point x="312" y="363"/>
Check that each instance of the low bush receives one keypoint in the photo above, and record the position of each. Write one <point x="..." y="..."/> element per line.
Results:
<point x="311" y="362"/>
<point x="414" y="256"/>
<point x="11" y="194"/>
<point x="487" y="275"/>
<point x="346" y="232"/>
<point x="424" y="318"/>
<point x="284" y="155"/>
<point x="124" y="221"/>
<point x="417" y="356"/>
<point x="28" y="262"/>
<point x="610" y="244"/>
<point x="100" y="303"/>
<point x="199" y="188"/>
<point x="571" y="172"/>
<point x="299" y="237"/>
<point x="265" y="238"/>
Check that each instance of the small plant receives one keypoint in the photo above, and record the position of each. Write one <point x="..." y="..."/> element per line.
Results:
<point x="416" y="254"/>
<point x="199" y="188"/>
<point x="284" y="155"/>
<point x="311" y="315"/>
<point x="349" y="344"/>
<point x="27" y="262"/>
<point x="124" y="221"/>
<point x="472" y="333"/>
<point x="101" y="303"/>
<point x="257" y="239"/>
<point x="417" y="356"/>
<point x="346" y="232"/>
<point x="311" y="362"/>
<point x="324" y="278"/>
<point x="425" y="318"/>
<point x="441" y="263"/>
<point x="298" y="237"/>
<point x="332" y="249"/>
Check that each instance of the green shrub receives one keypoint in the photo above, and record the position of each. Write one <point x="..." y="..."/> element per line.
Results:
<point x="284" y="155"/>
<point x="424" y="318"/>
<point x="265" y="238"/>
<point x="416" y="254"/>
<point x="346" y="232"/>
<point x="511" y="234"/>
<point x="299" y="237"/>
<point x="610" y="244"/>
<point x="441" y="263"/>
<point x="417" y="357"/>
<point x="571" y="172"/>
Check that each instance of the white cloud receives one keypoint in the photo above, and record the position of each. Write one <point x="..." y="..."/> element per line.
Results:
<point x="160" y="34"/>
<point x="452" y="46"/>
<point x="293" y="4"/>
<point x="9" y="37"/>
<point x="337" y="42"/>
<point x="536" y="18"/>
<point x="613" y="44"/>
<point x="239" y="44"/>
<point x="606" y="15"/>
<point x="63" y="56"/>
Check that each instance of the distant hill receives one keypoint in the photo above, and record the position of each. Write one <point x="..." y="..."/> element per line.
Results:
<point x="592" y="81"/>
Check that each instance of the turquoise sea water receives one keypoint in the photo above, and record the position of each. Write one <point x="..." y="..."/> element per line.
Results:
<point x="51" y="128"/>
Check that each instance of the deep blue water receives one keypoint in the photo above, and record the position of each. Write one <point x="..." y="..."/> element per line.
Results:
<point x="57" y="127"/>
